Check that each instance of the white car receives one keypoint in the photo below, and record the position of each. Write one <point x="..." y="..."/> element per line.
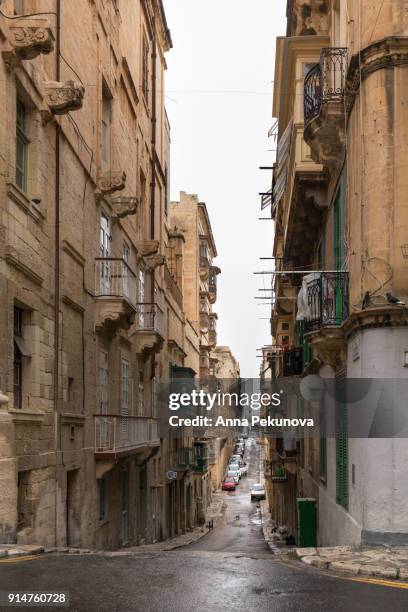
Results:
<point x="235" y="467"/>
<point x="233" y="474"/>
<point x="258" y="492"/>
<point x="236" y="459"/>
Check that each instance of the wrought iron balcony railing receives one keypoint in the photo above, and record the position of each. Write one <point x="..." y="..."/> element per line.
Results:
<point x="120" y="434"/>
<point x="149" y="317"/>
<point x="115" y="279"/>
<point x="327" y="300"/>
<point x="325" y="81"/>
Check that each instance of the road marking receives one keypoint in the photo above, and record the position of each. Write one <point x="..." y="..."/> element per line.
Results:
<point x="387" y="583"/>
<point x="18" y="559"/>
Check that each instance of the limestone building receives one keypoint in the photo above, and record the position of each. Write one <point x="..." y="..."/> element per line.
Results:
<point x="93" y="304"/>
<point x="338" y="199"/>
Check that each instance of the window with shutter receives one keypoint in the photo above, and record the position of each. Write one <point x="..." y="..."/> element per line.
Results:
<point x="323" y="444"/>
<point x="342" y="455"/>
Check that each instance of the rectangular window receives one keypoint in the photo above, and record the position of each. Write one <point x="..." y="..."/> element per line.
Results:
<point x="18" y="358"/>
<point x="103" y="499"/>
<point x="126" y="252"/>
<point x="145" y="69"/>
<point x="22" y="143"/>
<point x="103" y="382"/>
<point x="124" y="400"/>
<point x="141" y="393"/>
<point x="106" y="127"/>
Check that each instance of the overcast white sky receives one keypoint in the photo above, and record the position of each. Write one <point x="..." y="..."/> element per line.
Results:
<point x="219" y="140"/>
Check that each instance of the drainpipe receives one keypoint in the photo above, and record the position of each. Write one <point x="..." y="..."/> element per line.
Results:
<point x="153" y="167"/>
<point x="57" y="427"/>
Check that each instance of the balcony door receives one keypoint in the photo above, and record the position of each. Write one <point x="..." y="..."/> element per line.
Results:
<point x="103" y="398"/>
<point x="141" y="291"/>
<point x="104" y="247"/>
<point x="338" y="257"/>
<point x="124" y="402"/>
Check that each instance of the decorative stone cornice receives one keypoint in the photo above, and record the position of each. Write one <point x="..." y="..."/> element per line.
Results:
<point x="111" y="181"/>
<point x="385" y="53"/>
<point x="28" y="38"/>
<point x="329" y="343"/>
<point x="374" y="318"/>
<point x="63" y="97"/>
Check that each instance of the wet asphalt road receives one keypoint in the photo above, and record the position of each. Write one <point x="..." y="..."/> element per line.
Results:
<point x="230" y="569"/>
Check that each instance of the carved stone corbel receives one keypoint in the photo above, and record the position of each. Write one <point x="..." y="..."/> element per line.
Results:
<point x="123" y="206"/>
<point x="110" y="181"/>
<point x="65" y="96"/>
<point x="27" y="38"/>
<point x="147" y="247"/>
<point x="153" y="261"/>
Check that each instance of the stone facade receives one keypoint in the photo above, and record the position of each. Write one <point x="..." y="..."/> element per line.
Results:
<point x="93" y="314"/>
<point x="338" y="142"/>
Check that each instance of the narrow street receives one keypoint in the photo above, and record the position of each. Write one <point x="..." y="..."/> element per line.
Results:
<point x="231" y="568"/>
<point x="240" y="530"/>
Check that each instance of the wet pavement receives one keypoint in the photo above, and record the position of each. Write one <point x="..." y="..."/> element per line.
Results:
<point x="230" y="569"/>
<point x="240" y="529"/>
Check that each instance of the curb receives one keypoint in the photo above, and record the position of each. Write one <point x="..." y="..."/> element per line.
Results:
<point x="359" y="566"/>
<point x="13" y="551"/>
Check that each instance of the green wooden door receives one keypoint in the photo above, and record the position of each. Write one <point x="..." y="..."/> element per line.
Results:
<point x="306" y="511"/>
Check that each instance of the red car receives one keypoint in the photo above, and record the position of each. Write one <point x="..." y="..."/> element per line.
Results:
<point x="228" y="484"/>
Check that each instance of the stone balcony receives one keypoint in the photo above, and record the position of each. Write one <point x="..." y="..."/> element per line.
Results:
<point x="27" y="38"/>
<point x="63" y="97"/>
<point x="115" y="292"/>
<point x="148" y="328"/>
<point x="325" y="107"/>
<point x="122" y="435"/>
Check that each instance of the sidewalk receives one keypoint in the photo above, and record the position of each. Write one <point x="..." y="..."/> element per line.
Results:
<point x="386" y="563"/>
<point x="379" y="562"/>
<point x="214" y="511"/>
<point x="273" y="537"/>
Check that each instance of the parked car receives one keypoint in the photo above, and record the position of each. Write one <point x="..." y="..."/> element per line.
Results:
<point x="233" y="474"/>
<point x="257" y="492"/>
<point x="236" y="459"/>
<point x="228" y="484"/>
<point x="235" y="467"/>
